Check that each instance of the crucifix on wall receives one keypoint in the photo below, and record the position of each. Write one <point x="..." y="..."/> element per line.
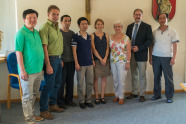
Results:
<point x="87" y="10"/>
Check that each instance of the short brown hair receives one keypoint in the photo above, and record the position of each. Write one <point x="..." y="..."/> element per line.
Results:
<point x="138" y="10"/>
<point x="52" y="7"/>
<point x="98" y="20"/>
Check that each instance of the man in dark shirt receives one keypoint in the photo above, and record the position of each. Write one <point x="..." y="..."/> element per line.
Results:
<point x="68" y="65"/>
<point x="81" y="46"/>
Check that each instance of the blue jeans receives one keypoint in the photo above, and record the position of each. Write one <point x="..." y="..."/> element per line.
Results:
<point x="52" y="83"/>
<point x="163" y="64"/>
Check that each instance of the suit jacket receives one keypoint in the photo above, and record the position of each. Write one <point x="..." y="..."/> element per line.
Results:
<point x="144" y="39"/>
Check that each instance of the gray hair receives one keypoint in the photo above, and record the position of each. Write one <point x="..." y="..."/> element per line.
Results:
<point x="118" y="22"/>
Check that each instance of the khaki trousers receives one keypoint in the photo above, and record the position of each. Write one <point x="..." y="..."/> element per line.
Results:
<point x="138" y="73"/>
<point x="30" y="90"/>
<point x="87" y="73"/>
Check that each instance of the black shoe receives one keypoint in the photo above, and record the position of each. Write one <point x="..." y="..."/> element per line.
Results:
<point x="82" y="105"/>
<point x="103" y="100"/>
<point x="90" y="105"/>
<point x="142" y="99"/>
<point x="62" y="106"/>
<point x="97" y="101"/>
<point x="132" y="96"/>
<point x="156" y="98"/>
<point x="71" y="103"/>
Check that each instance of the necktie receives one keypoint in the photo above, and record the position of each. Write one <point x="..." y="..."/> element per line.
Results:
<point x="134" y="35"/>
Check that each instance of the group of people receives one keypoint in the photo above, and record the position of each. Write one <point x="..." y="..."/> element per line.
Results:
<point x="59" y="52"/>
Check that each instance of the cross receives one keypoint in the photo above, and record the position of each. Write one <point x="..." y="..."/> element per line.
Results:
<point x="87" y="10"/>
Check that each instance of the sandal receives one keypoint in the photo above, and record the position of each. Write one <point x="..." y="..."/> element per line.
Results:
<point x="103" y="100"/>
<point x="121" y="101"/>
<point x="115" y="99"/>
<point x="97" y="101"/>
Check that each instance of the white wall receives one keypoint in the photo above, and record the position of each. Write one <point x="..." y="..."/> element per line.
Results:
<point x="109" y="11"/>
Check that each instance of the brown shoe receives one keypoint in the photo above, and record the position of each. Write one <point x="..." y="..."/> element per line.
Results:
<point x="37" y="118"/>
<point x="55" y="108"/>
<point x="115" y="99"/>
<point x="132" y="96"/>
<point x="46" y="115"/>
<point x="142" y="99"/>
<point x="121" y="101"/>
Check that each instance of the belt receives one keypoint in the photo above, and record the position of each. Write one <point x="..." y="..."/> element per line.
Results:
<point x="55" y="56"/>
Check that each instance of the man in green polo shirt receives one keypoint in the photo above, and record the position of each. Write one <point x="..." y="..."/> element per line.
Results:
<point x="52" y="41"/>
<point x="30" y="58"/>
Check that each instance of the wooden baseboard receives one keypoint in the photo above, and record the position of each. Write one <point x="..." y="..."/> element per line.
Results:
<point x="183" y="86"/>
<point x="15" y="100"/>
<point x="107" y="95"/>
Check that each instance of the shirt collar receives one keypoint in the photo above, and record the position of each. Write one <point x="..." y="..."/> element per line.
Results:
<point x="27" y="30"/>
<point x="79" y="33"/>
<point x="51" y="23"/>
<point x="166" y="29"/>
<point x="137" y="23"/>
<point x="82" y="36"/>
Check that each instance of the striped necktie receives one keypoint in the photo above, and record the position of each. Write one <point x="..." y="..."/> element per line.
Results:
<point x="134" y="35"/>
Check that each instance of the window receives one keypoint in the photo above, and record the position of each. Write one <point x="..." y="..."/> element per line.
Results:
<point x="8" y="25"/>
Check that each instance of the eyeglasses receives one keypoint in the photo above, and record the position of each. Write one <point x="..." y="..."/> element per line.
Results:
<point x="137" y="14"/>
<point x="118" y="26"/>
<point x="162" y="18"/>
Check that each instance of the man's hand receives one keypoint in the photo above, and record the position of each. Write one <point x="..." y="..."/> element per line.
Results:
<point x="172" y="62"/>
<point x="62" y="63"/>
<point x="49" y="69"/>
<point x="150" y="61"/>
<point x="127" y="66"/>
<point x="135" y="48"/>
<point x="77" y="67"/>
<point x="24" y="75"/>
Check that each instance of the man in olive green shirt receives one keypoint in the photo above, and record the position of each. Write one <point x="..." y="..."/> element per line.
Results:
<point x="52" y="41"/>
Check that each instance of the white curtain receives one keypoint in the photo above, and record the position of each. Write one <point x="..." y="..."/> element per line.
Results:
<point x="7" y="25"/>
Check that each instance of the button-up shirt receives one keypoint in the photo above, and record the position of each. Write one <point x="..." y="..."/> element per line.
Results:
<point x="52" y="37"/>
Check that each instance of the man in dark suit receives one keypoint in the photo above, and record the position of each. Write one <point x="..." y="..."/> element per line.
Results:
<point x="141" y="37"/>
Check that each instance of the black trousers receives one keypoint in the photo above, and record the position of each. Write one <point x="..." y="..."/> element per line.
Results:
<point x="67" y="83"/>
